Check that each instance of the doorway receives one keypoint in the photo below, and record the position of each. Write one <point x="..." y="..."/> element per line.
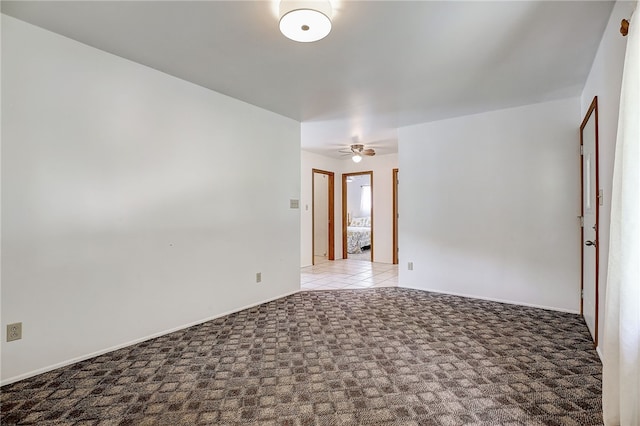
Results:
<point x="357" y="216"/>
<point x="395" y="217"/>
<point x="591" y="197"/>
<point x="322" y="214"/>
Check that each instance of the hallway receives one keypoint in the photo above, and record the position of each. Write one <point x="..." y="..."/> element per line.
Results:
<point x="347" y="274"/>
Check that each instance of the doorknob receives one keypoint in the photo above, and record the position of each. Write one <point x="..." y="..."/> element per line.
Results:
<point x="590" y="243"/>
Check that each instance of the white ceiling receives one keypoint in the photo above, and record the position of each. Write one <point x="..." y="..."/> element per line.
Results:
<point x="385" y="64"/>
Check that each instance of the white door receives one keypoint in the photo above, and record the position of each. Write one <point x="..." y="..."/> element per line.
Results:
<point x="396" y="217"/>
<point x="590" y="200"/>
<point x="320" y="216"/>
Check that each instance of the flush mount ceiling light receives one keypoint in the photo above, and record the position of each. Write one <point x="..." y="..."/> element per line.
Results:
<point x="305" y="20"/>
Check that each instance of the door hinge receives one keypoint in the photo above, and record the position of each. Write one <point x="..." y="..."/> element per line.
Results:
<point x="581" y="149"/>
<point x="582" y="294"/>
<point x="581" y="218"/>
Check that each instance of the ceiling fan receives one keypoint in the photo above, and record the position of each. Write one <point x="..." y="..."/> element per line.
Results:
<point x="357" y="151"/>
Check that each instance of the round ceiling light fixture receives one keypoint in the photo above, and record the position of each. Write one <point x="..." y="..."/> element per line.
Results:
<point x="356" y="158"/>
<point x="305" y="20"/>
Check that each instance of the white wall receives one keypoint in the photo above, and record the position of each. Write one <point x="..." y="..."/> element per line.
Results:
<point x="604" y="81"/>
<point x="126" y="211"/>
<point x="382" y="166"/>
<point x="353" y="198"/>
<point x="489" y="205"/>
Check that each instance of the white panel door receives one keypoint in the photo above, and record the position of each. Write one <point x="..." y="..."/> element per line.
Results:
<point x="320" y="215"/>
<point x="590" y="201"/>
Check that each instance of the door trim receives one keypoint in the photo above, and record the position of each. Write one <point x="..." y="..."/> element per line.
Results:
<point x="395" y="216"/>
<point x="345" y="255"/>
<point x="593" y="109"/>
<point x="331" y="206"/>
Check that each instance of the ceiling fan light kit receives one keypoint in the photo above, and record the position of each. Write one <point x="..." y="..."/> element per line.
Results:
<point x="357" y="151"/>
<point x="305" y="20"/>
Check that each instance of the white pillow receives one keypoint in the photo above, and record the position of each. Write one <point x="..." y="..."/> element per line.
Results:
<point x="358" y="221"/>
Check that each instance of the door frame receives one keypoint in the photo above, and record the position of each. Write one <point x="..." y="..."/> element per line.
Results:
<point x="395" y="215"/>
<point x="593" y="109"/>
<point x="331" y="207"/>
<point x="345" y="255"/>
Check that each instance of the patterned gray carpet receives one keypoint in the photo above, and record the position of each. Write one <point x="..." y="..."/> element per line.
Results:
<point x="385" y="356"/>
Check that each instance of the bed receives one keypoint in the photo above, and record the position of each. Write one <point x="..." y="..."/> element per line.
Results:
<point x="358" y="234"/>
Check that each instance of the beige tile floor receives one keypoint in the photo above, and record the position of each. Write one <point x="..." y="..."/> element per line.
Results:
<point x="347" y="274"/>
<point x="365" y="255"/>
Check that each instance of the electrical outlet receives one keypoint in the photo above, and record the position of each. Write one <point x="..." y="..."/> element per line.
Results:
<point x="14" y="331"/>
<point x="258" y="277"/>
<point x="410" y="266"/>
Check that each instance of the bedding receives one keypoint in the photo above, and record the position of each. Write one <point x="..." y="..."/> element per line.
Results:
<point x="358" y="234"/>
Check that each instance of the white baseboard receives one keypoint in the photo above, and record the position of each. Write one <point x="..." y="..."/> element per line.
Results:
<point x="134" y="342"/>
<point x="510" y="302"/>
<point x="599" y="352"/>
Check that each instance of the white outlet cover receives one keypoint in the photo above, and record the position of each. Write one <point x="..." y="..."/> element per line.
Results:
<point x="14" y="331"/>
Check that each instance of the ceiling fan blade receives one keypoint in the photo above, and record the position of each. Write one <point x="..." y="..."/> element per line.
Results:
<point x="369" y="152"/>
<point x="346" y="151"/>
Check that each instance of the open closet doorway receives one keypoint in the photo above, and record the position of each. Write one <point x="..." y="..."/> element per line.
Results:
<point x="357" y="216"/>
<point x="322" y="213"/>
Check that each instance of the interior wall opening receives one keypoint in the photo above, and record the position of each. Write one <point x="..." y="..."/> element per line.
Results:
<point x="357" y="215"/>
